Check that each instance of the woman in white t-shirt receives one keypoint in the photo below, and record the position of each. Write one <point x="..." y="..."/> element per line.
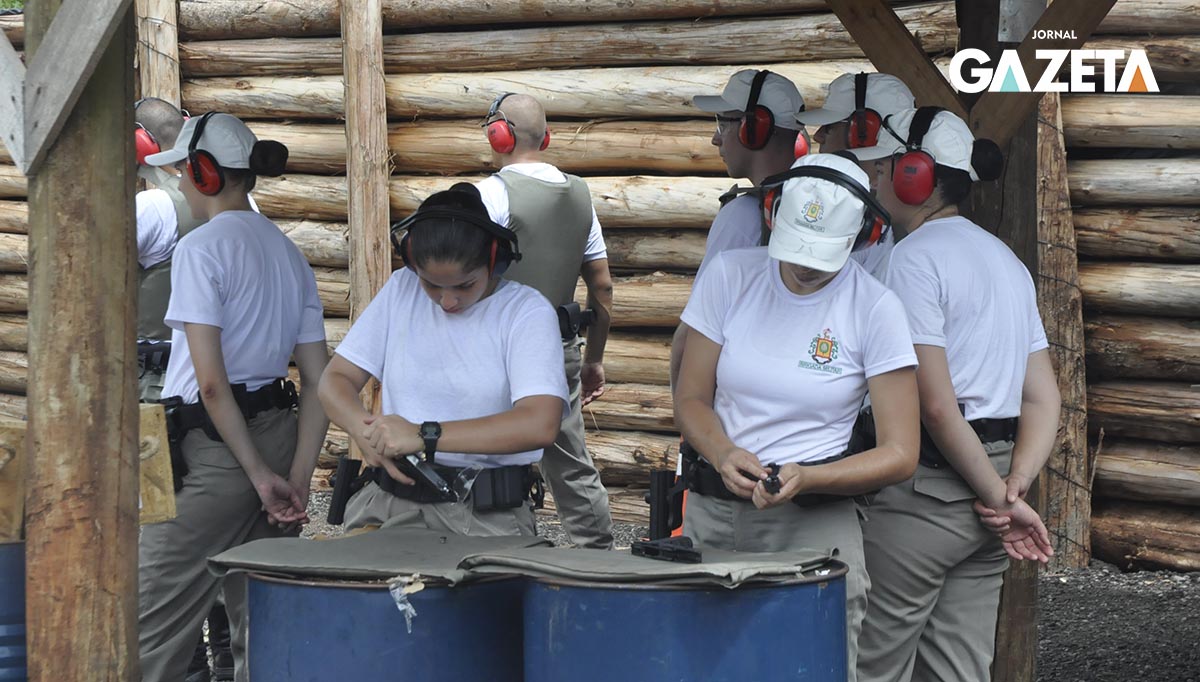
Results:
<point x="471" y="371"/>
<point x="935" y="569"/>
<point x="785" y="343"/>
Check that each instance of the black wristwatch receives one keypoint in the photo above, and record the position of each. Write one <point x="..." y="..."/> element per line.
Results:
<point x="430" y="433"/>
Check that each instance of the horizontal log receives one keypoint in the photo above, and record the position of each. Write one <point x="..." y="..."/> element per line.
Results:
<point x="1136" y="535"/>
<point x="637" y="201"/>
<point x="14" y="332"/>
<point x="627" y="505"/>
<point x="674" y="250"/>
<point x="746" y="41"/>
<point x="333" y="286"/>
<point x="14" y="371"/>
<point x="628" y="457"/>
<point x="1152" y="16"/>
<point x="1170" y="182"/>
<point x="1149" y="233"/>
<point x="1141" y="289"/>
<point x="12" y="406"/>
<point x="323" y="244"/>
<point x="637" y="358"/>
<point x="228" y="19"/>
<point x="453" y="147"/>
<point x="1154" y="472"/>
<point x="12" y="182"/>
<point x="14" y="217"/>
<point x="1158" y="411"/>
<point x="1142" y="348"/>
<point x="625" y="92"/>
<point x="14" y="252"/>
<point x="632" y="407"/>
<point x="1131" y="121"/>
<point x="1173" y="58"/>
<point x="654" y="300"/>
<point x="13" y="26"/>
<point x="14" y="293"/>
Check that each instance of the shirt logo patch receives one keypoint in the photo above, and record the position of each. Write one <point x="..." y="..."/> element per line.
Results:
<point x="824" y="348"/>
<point x="813" y="210"/>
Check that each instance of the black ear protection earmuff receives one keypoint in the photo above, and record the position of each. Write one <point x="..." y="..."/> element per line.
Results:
<point x="504" y="251"/>
<point x="501" y="134"/>
<point x="863" y="130"/>
<point x="205" y="171"/>
<point x="757" y="121"/>
<point x="875" y="222"/>
<point x="914" y="173"/>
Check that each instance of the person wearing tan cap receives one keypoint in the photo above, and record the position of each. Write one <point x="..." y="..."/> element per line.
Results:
<point x="989" y="407"/>
<point x="852" y="117"/>
<point x="784" y="342"/>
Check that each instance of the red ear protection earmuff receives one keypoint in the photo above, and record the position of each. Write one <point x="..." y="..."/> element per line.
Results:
<point x="913" y="174"/>
<point x="757" y="121"/>
<point x="501" y="134"/>
<point x="503" y="253"/>
<point x="205" y="171"/>
<point x="144" y="143"/>
<point x="875" y="222"/>
<point x="801" y="148"/>
<point x="864" y="125"/>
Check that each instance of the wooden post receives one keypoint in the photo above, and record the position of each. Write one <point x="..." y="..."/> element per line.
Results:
<point x="81" y="494"/>
<point x="367" y="167"/>
<point x="158" y="49"/>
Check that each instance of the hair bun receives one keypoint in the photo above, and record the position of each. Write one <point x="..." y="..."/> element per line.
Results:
<point x="987" y="159"/>
<point x="268" y="158"/>
<point x="462" y="196"/>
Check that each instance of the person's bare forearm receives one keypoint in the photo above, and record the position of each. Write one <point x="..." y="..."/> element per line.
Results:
<point x="311" y="429"/>
<point x="1037" y="430"/>
<point x="521" y="429"/>
<point x="960" y="445"/>
<point x="678" y="342"/>
<point x="702" y="429"/>
<point x="600" y="300"/>
<point x="227" y="417"/>
<point x="344" y="407"/>
<point x="864" y="472"/>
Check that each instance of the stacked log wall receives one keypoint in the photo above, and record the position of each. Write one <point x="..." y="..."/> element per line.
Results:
<point x="617" y="81"/>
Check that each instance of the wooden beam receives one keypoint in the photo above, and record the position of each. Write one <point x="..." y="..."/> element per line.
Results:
<point x="890" y="46"/>
<point x="12" y="102"/>
<point x="367" y="167"/>
<point x="997" y="115"/>
<point x="70" y="50"/>
<point x="158" y="49"/>
<point x="81" y="515"/>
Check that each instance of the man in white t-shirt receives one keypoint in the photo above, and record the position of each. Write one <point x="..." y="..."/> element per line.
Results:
<point x="762" y="148"/>
<point x="552" y="214"/>
<point x="852" y="117"/>
<point x="243" y="304"/>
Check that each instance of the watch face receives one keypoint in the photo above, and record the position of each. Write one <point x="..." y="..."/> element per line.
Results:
<point x="431" y="430"/>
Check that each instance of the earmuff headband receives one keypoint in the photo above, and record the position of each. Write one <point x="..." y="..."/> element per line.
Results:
<point x="196" y="133"/>
<point x="495" y="108"/>
<point x="838" y="178"/>
<point x="756" y="86"/>
<point x="921" y="121"/>
<point x="492" y="228"/>
<point x="860" y="106"/>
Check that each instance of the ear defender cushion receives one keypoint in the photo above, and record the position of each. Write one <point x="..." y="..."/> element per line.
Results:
<point x="770" y="203"/>
<point x="755" y="129"/>
<point x="206" y="173"/>
<point x="545" y="141"/>
<point x="913" y="177"/>
<point x="801" y="145"/>
<point x="145" y="144"/>
<point x="863" y="130"/>
<point x="500" y="136"/>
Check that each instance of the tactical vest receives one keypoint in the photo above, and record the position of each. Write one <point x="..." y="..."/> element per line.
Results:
<point x="154" y="282"/>
<point x="552" y="221"/>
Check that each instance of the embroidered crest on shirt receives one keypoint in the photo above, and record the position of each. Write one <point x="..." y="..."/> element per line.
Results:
<point x="823" y="349"/>
<point x="813" y="210"/>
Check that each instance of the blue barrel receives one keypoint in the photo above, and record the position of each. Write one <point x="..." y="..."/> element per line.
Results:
<point x="12" y="611"/>
<point x="304" y="631"/>
<point x="586" y="632"/>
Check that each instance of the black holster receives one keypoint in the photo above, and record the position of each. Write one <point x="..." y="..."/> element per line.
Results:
<point x="665" y="498"/>
<point x="175" y="434"/>
<point x="346" y="481"/>
<point x="573" y="320"/>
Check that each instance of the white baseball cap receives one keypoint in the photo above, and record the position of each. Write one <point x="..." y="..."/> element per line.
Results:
<point x="818" y="220"/>
<point x="778" y="94"/>
<point x="224" y="136"/>
<point x="885" y="95"/>
<point x="949" y="140"/>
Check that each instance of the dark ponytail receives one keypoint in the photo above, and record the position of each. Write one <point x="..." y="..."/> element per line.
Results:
<point x="986" y="159"/>
<point x="267" y="157"/>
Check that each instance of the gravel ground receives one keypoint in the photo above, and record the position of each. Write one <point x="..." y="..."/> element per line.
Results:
<point x="1095" y="624"/>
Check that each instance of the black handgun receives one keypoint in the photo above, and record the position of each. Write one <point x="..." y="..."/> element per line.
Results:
<point x="665" y="498"/>
<point x="422" y="472"/>
<point x="772" y="484"/>
<point x="677" y="549"/>
<point x="175" y="434"/>
<point x="345" y="484"/>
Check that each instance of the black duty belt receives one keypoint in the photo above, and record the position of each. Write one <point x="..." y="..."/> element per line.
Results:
<point x="279" y="394"/>
<point x="703" y="479"/>
<point x="495" y="488"/>
<point x="988" y="430"/>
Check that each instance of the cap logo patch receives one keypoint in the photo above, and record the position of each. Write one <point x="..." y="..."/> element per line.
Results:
<point x="813" y="210"/>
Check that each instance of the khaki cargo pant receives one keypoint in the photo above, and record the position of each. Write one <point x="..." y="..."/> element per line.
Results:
<point x="742" y="527"/>
<point x="570" y="473"/>
<point x="217" y="509"/>
<point x="372" y="506"/>
<point x="936" y="574"/>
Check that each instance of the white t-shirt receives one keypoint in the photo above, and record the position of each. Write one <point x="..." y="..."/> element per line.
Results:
<point x="158" y="226"/>
<point x="793" y="369"/>
<point x="239" y="272"/>
<point x="738" y="225"/>
<point x="495" y="197"/>
<point x="436" y="366"/>
<point x="965" y="291"/>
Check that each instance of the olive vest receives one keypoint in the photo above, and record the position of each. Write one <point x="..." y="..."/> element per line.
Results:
<point x="552" y="221"/>
<point x="154" y="282"/>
